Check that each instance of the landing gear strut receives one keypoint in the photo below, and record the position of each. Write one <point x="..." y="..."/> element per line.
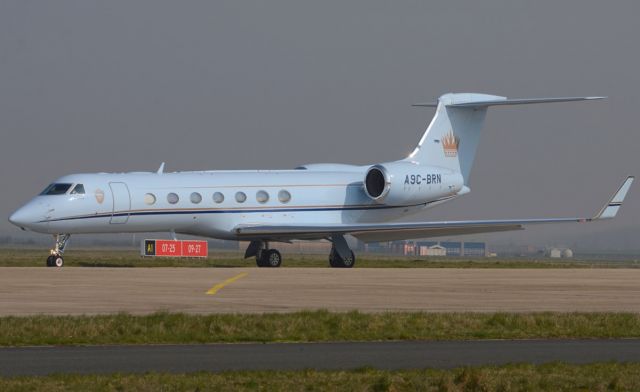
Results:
<point x="336" y="261"/>
<point x="269" y="258"/>
<point x="55" y="258"/>
<point x="265" y="257"/>
<point x="341" y="255"/>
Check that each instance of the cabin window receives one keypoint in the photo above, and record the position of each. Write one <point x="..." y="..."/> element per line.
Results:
<point x="241" y="197"/>
<point x="78" y="190"/>
<point x="56" y="189"/>
<point x="218" y="197"/>
<point x="196" y="198"/>
<point x="262" y="197"/>
<point x="284" y="196"/>
<point x="172" y="198"/>
<point x="149" y="199"/>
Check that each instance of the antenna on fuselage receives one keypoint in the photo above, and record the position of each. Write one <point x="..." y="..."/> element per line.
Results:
<point x="161" y="168"/>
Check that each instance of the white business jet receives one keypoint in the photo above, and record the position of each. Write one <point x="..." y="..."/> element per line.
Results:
<point x="312" y="202"/>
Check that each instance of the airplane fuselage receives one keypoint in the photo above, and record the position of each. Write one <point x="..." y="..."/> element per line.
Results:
<point x="212" y="203"/>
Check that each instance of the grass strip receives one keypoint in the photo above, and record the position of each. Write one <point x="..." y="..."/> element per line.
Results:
<point x="131" y="259"/>
<point x="520" y="377"/>
<point x="310" y="326"/>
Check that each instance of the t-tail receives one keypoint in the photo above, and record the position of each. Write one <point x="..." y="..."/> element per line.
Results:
<point x="452" y="137"/>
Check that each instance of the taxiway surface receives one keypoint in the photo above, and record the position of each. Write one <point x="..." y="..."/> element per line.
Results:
<point x="25" y="291"/>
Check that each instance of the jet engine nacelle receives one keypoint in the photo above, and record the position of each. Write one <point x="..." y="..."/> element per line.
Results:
<point x="406" y="183"/>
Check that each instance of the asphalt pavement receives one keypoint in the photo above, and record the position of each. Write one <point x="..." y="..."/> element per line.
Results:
<point x="294" y="356"/>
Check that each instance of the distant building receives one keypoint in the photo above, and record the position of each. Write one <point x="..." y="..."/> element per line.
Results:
<point x="453" y="248"/>
<point x="475" y="249"/>
<point x="434" y="250"/>
<point x="428" y="244"/>
<point x="409" y="248"/>
<point x="556" y="253"/>
<point x="397" y="247"/>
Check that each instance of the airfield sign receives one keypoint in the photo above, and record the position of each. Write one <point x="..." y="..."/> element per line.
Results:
<point x="175" y="248"/>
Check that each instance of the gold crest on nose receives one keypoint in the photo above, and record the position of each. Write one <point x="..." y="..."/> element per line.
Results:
<point x="99" y="195"/>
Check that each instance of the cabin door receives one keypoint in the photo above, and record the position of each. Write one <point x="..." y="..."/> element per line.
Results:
<point x="121" y="202"/>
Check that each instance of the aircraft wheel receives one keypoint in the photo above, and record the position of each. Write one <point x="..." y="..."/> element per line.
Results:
<point x="349" y="262"/>
<point x="273" y="258"/>
<point x="58" y="261"/>
<point x="332" y="259"/>
<point x="338" y="262"/>
<point x="51" y="261"/>
<point x="261" y="260"/>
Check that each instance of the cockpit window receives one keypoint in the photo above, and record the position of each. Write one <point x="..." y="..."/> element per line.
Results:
<point x="56" y="189"/>
<point x="78" y="190"/>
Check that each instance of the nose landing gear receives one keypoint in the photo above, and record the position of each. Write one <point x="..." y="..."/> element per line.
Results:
<point x="55" y="258"/>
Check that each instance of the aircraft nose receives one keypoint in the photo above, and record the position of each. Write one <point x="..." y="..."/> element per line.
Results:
<point x="23" y="217"/>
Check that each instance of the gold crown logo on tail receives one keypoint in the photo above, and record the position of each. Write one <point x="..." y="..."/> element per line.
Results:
<point x="450" y="144"/>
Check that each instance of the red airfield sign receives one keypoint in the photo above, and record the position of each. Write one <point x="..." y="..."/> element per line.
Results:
<point x="175" y="248"/>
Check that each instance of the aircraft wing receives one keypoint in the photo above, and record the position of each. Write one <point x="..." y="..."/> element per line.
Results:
<point x="370" y="232"/>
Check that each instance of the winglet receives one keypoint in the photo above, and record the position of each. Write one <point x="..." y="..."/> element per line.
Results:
<point x="161" y="168"/>
<point x="611" y="208"/>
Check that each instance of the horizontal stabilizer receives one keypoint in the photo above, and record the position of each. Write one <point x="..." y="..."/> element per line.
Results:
<point x="505" y="101"/>
<point x="520" y="101"/>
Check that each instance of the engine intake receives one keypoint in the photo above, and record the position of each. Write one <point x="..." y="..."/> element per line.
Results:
<point x="375" y="183"/>
<point x="407" y="183"/>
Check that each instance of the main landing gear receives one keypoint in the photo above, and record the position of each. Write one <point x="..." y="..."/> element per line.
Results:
<point x="265" y="257"/>
<point x="269" y="258"/>
<point x="341" y="255"/>
<point x="55" y="258"/>
<point x="337" y="261"/>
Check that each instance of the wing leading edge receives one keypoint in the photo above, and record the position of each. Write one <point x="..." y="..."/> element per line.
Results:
<point x="369" y="232"/>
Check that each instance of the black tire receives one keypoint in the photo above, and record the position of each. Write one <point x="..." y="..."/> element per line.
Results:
<point x="273" y="258"/>
<point x="332" y="259"/>
<point x="51" y="261"/>
<point x="58" y="261"/>
<point x="261" y="259"/>
<point x="338" y="262"/>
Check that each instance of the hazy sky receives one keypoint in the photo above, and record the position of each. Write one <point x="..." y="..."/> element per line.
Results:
<point x="91" y="86"/>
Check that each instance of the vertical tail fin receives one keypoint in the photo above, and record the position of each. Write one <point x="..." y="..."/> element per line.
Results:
<point x="452" y="137"/>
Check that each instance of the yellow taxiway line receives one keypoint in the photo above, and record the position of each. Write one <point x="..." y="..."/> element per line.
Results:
<point x="219" y="286"/>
